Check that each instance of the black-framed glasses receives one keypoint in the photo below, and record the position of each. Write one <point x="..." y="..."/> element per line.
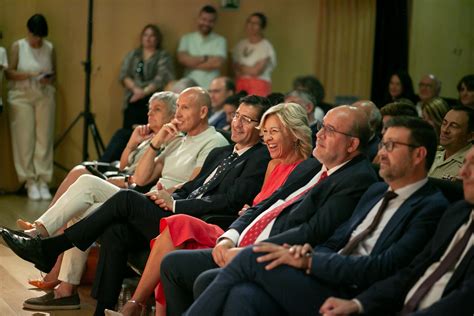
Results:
<point x="244" y="119"/>
<point x="391" y="144"/>
<point x="329" y="130"/>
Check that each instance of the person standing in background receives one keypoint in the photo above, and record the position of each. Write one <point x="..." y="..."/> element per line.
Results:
<point x="254" y="58"/>
<point x="31" y="97"/>
<point x="203" y="52"/>
<point x="145" y="70"/>
<point x="3" y="65"/>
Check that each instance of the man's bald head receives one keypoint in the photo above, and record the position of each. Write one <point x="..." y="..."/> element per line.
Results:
<point x="198" y="95"/>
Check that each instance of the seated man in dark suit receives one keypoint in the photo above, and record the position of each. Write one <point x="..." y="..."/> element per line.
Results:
<point x="439" y="281"/>
<point x="389" y="227"/>
<point x="317" y="198"/>
<point x="129" y="220"/>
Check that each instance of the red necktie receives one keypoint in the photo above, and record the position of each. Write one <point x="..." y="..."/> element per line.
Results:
<point x="444" y="266"/>
<point x="258" y="227"/>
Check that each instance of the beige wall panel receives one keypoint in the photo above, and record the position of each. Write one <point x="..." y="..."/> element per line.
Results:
<point x="303" y="32"/>
<point x="442" y="41"/>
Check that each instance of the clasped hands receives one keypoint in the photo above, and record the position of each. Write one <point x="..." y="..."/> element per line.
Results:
<point x="161" y="197"/>
<point x="297" y="256"/>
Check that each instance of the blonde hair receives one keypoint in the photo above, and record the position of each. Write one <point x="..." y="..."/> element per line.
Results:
<point x="436" y="109"/>
<point x="294" y="118"/>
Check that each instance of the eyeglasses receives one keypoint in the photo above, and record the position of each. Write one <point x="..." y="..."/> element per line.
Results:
<point x="329" y="130"/>
<point x="425" y="85"/>
<point x="244" y="119"/>
<point x="391" y="144"/>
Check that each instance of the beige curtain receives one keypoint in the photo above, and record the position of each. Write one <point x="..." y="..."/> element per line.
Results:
<point x="345" y="31"/>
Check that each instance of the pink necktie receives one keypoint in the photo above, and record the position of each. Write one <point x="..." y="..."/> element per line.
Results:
<point x="258" y="227"/>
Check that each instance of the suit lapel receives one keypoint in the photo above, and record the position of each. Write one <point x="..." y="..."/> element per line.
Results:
<point x="234" y="163"/>
<point x="460" y="216"/>
<point x="401" y="213"/>
<point x="364" y="210"/>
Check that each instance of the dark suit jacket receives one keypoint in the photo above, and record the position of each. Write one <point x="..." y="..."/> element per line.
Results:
<point x="373" y="147"/>
<point x="220" y="121"/>
<point x="389" y="295"/>
<point x="235" y="187"/>
<point x="404" y="236"/>
<point x="315" y="217"/>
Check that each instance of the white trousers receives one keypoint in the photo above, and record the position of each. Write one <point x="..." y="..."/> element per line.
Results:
<point x="81" y="199"/>
<point x="78" y="201"/>
<point x="31" y="116"/>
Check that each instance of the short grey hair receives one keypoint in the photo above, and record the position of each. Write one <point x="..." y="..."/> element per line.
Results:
<point x="303" y="95"/>
<point x="436" y="81"/>
<point x="373" y="114"/>
<point x="168" y="98"/>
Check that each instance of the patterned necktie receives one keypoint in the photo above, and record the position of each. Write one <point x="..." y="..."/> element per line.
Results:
<point x="354" y="242"/>
<point x="222" y="167"/>
<point x="258" y="227"/>
<point x="444" y="266"/>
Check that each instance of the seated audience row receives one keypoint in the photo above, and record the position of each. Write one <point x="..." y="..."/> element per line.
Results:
<point x="314" y="207"/>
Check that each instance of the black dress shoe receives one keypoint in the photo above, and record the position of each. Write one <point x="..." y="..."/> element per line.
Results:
<point x="29" y="249"/>
<point x="16" y="232"/>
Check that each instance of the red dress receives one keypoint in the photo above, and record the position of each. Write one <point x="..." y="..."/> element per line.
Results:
<point x="189" y="232"/>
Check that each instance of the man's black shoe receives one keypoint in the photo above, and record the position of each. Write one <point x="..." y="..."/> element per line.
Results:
<point x="29" y="249"/>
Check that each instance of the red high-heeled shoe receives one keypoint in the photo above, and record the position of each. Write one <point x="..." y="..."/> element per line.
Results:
<point x="44" y="285"/>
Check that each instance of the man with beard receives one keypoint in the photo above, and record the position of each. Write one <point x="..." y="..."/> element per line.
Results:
<point x="203" y="52"/>
<point x="389" y="227"/>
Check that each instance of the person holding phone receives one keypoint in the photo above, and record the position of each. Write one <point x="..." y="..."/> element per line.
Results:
<point x="31" y="97"/>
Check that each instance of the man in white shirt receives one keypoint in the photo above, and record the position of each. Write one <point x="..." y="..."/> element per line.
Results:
<point x="415" y="289"/>
<point x="390" y="225"/>
<point x="203" y="52"/>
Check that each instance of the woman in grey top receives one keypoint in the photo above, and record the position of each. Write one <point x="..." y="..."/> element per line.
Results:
<point x="144" y="71"/>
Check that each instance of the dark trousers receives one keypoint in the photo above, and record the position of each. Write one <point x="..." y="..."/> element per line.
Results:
<point x="283" y="290"/>
<point x="126" y="222"/>
<point x="116" y="146"/>
<point x="179" y="270"/>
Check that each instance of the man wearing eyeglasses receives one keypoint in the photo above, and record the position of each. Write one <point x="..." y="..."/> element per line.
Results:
<point x="318" y="196"/>
<point x="391" y="224"/>
<point x="230" y="177"/>
<point x="429" y="87"/>
<point x="439" y="281"/>
<point x="203" y="52"/>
